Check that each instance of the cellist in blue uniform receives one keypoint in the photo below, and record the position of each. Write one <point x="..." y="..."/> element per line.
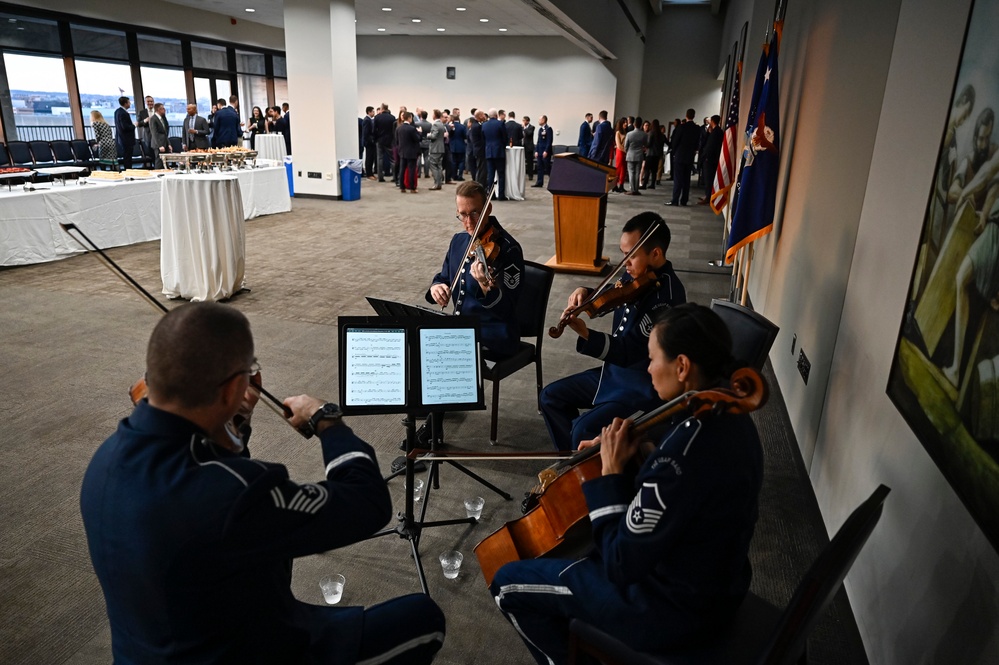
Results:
<point x="621" y="386"/>
<point x="670" y="560"/>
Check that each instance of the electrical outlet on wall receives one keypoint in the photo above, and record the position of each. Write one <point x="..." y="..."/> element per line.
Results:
<point x="804" y="366"/>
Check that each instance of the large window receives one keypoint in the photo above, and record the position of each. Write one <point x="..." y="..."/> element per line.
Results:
<point x="252" y="92"/>
<point x="209" y="56"/>
<point x="280" y="66"/>
<point x="40" y="97"/>
<point x="29" y="33"/>
<point x="280" y="91"/>
<point x="248" y="62"/>
<point x="106" y="44"/>
<point x="160" y="50"/>
<point x="101" y="84"/>
<point x="167" y="86"/>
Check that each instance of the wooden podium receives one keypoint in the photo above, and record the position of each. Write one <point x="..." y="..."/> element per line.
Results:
<point x="580" y="187"/>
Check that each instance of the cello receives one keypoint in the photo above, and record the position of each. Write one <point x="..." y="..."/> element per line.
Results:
<point x="557" y="503"/>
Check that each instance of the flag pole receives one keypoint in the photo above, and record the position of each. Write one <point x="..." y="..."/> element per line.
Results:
<point x="748" y="254"/>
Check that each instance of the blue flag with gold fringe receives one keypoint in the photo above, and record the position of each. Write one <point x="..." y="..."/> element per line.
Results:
<point x="757" y="191"/>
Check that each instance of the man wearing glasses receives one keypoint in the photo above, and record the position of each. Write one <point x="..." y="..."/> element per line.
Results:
<point x="488" y="292"/>
<point x="193" y="541"/>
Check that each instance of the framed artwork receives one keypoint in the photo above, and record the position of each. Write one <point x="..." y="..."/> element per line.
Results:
<point x="945" y="374"/>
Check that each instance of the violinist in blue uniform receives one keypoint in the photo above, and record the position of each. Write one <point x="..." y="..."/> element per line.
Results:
<point x="193" y="541"/>
<point x="670" y="557"/>
<point x="621" y="386"/>
<point x="489" y="292"/>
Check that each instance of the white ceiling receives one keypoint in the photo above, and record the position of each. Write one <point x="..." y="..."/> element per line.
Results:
<point x="518" y="17"/>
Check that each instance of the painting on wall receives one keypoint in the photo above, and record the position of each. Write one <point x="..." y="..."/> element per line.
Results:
<point x="945" y="374"/>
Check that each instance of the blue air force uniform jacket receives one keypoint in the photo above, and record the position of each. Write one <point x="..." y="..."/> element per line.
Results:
<point x="625" y="351"/>
<point x="672" y="543"/>
<point x="193" y="544"/>
<point x="497" y="310"/>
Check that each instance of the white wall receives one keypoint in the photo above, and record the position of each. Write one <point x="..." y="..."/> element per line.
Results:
<point x="528" y="75"/>
<point x="925" y="589"/>
<point x="166" y="16"/>
<point x="865" y="89"/>
<point x="680" y="73"/>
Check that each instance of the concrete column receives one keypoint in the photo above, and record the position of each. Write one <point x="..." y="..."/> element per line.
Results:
<point x="321" y="48"/>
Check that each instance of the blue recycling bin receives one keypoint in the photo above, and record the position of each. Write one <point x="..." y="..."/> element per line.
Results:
<point x="350" y="178"/>
<point x="291" y="176"/>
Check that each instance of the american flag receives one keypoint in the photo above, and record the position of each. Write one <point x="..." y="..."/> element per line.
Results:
<point x="725" y="172"/>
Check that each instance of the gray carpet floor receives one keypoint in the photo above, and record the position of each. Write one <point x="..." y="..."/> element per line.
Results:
<point x="73" y="340"/>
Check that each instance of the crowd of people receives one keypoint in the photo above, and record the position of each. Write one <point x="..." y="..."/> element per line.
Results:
<point x="193" y="540"/>
<point x="447" y="147"/>
<point x="222" y="128"/>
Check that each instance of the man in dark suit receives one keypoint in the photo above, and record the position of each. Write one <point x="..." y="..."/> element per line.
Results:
<point x="384" y="128"/>
<point x="496" y="141"/>
<point x="124" y="131"/>
<point x="709" y="157"/>
<point x="368" y="141"/>
<point x="585" y="135"/>
<point x="456" y="144"/>
<point x="686" y="139"/>
<point x="478" y="143"/>
<point x="159" y="132"/>
<point x="226" y="126"/>
<point x="603" y="137"/>
<point x="529" y="146"/>
<point x="543" y="149"/>
<point x="409" y="152"/>
<point x="195" y="135"/>
<point x="423" y="126"/>
<point x="142" y="120"/>
<point x="514" y="131"/>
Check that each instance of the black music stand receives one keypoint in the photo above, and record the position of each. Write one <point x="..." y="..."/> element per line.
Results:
<point x="407" y="365"/>
<point x="391" y="308"/>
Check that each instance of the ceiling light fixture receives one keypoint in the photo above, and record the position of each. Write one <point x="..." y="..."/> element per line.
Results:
<point x="502" y="29"/>
<point x="250" y="9"/>
<point x="440" y="29"/>
<point x="459" y="9"/>
<point x="417" y="20"/>
<point x="483" y="20"/>
<point x="386" y="9"/>
<point x="381" y="29"/>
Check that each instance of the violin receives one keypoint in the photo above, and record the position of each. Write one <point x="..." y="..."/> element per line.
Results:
<point x="602" y="300"/>
<point x="139" y="390"/>
<point x="557" y="503"/>
<point x="486" y="251"/>
<point x="482" y="248"/>
<point x="608" y="300"/>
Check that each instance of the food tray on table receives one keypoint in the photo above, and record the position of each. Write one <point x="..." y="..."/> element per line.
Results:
<point x="15" y="172"/>
<point x="111" y="176"/>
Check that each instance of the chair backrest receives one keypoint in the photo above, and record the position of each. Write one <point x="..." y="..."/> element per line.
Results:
<point x="82" y="150"/>
<point x="176" y="144"/>
<point x="752" y="333"/>
<point x="822" y="582"/>
<point x="4" y="155"/>
<point x="63" y="152"/>
<point x="532" y="301"/>
<point x="20" y="154"/>
<point x="42" y="152"/>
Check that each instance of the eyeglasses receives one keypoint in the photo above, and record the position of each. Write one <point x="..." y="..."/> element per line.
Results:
<point x="254" y="369"/>
<point x="462" y="216"/>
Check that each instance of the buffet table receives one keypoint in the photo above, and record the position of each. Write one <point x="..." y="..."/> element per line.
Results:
<point x="203" y="249"/>
<point x="112" y="213"/>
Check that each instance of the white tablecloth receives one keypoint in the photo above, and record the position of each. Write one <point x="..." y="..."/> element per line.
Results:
<point x="264" y="191"/>
<point x="270" y="146"/>
<point x="111" y="214"/>
<point x="515" y="173"/>
<point x="203" y="250"/>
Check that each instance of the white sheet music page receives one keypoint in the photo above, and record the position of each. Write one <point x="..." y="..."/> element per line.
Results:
<point x="449" y="365"/>
<point x="376" y="366"/>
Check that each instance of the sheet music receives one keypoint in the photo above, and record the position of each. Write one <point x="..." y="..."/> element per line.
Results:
<point x="376" y="367"/>
<point x="449" y="366"/>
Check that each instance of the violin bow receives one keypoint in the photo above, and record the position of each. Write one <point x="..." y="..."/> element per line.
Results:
<point x="475" y="235"/>
<point x="90" y="247"/>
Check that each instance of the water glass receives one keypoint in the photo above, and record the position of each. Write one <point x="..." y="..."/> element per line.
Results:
<point x="451" y="563"/>
<point x="332" y="587"/>
<point x="417" y="489"/>
<point x="473" y="506"/>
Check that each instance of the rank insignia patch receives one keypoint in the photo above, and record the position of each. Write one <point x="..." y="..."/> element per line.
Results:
<point x="646" y="509"/>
